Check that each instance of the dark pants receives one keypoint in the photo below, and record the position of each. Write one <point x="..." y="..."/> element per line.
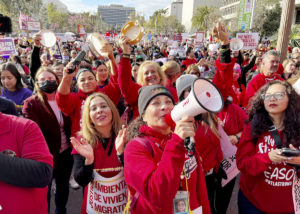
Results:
<point x="61" y="174"/>
<point x="211" y="186"/>
<point x="245" y="206"/>
<point x="223" y="196"/>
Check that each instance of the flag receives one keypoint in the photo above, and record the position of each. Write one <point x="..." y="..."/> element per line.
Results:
<point x="23" y="19"/>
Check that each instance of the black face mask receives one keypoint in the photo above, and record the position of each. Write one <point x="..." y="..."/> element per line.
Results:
<point x="48" y="86"/>
<point x="298" y="64"/>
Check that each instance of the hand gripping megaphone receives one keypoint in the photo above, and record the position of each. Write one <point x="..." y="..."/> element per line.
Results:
<point x="204" y="97"/>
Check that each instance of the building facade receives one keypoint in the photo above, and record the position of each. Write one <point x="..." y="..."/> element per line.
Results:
<point x="189" y="7"/>
<point x="175" y="9"/>
<point x="230" y="11"/>
<point x="115" y="15"/>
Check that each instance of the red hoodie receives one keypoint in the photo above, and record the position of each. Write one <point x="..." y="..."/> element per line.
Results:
<point x="130" y="89"/>
<point x="157" y="176"/>
<point x="72" y="104"/>
<point x="256" y="83"/>
<point x="266" y="185"/>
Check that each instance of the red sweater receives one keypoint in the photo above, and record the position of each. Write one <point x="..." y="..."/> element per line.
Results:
<point x="23" y="137"/>
<point x="223" y="79"/>
<point x="157" y="176"/>
<point x="266" y="185"/>
<point x="72" y="104"/>
<point x="256" y="83"/>
<point x="189" y="62"/>
<point x="209" y="148"/>
<point x="233" y="118"/>
<point x="130" y="89"/>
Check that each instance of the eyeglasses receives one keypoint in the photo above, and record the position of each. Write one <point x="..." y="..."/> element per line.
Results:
<point x="276" y="96"/>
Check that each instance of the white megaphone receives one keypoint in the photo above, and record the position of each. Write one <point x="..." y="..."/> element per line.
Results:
<point x="204" y="97"/>
<point x="296" y="86"/>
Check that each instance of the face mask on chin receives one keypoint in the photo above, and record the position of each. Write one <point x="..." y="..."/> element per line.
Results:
<point x="48" y="86"/>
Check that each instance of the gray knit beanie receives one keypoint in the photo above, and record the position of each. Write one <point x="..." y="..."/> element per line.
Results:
<point x="81" y="70"/>
<point x="147" y="93"/>
<point x="183" y="82"/>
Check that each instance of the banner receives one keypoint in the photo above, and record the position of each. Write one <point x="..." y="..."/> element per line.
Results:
<point x="250" y="40"/>
<point x="33" y="26"/>
<point x="81" y="30"/>
<point x="106" y="195"/>
<point x="56" y="52"/>
<point x="22" y="21"/>
<point x="7" y="46"/>
<point x="245" y="12"/>
<point x="229" y="162"/>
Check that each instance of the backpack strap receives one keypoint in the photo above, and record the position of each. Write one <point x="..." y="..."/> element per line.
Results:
<point x="275" y="136"/>
<point x="147" y="144"/>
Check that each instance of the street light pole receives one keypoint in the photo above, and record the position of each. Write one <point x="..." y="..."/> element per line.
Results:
<point x="288" y="8"/>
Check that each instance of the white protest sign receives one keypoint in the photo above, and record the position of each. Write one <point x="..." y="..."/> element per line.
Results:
<point x="199" y="39"/>
<point x="106" y="195"/>
<point x="229" y="161"/>
<point x="33" y="26"/>
<point x="62" y="37"/>
<point x="250" y="40"/>
<point x="7" y="46"/>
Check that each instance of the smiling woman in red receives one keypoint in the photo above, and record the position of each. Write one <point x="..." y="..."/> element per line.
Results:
<point x="266" y="175"/>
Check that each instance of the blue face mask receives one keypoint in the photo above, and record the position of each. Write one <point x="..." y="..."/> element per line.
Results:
<point x="201" y="69"/>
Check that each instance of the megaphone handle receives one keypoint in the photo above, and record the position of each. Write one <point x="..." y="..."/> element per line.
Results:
<point x="189" y="144"/>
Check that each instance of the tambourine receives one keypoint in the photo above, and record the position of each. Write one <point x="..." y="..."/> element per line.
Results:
<point x="134" y="31"/>
<point x="236" y="44"/>
<point x="95" y="42"/>
<point x="48" y="38"/>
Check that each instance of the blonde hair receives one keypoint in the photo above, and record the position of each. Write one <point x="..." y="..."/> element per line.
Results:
<point x="211" y="120"/>
<point x="41" y="95"/>
<point x="287" y="61"/>
<point x="171" y="68"/>
<point x="88" y="130"/>
<point x="161" y="74"/>
<point x="192" y="67"/>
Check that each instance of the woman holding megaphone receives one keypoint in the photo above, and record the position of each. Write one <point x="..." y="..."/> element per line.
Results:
<point x="158" y="170"/>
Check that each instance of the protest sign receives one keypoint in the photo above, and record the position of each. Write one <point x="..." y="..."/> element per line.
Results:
<point x="7" y="46"/>
<point x="245" y="12"/>
<point x="56" y="52"/>
<point x="33" y="26"/>
<point x="199" y="39"/>
<point x="229" y="154"/>
<point x="250" y="40"/>
<point x="61" y="37"/>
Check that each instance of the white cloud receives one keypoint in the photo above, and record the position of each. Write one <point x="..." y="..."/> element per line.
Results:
<point x="146" y="7"/>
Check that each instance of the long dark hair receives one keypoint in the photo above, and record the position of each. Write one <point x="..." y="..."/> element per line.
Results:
<point x="134" y="129"/>
<point x="261" y="121"/>
<point x="9" y="66"/>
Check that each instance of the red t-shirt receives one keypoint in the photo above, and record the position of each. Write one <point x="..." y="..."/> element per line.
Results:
<point x="266" y="185"/>
<point x="189" y="62"/>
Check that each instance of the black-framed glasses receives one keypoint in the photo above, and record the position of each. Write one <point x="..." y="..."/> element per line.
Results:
<point x="276" y="96"/>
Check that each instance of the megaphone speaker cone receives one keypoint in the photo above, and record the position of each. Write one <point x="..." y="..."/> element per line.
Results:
<point x="207" y="95"/>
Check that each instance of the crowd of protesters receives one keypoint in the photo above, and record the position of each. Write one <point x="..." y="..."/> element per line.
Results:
<point x="104" y="122"/>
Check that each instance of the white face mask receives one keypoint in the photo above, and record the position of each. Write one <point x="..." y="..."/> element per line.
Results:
<point x="1" y="61"/>
<point x="201" y="68"/>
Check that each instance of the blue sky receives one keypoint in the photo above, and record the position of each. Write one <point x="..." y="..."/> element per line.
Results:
<point x="146" y="7"/>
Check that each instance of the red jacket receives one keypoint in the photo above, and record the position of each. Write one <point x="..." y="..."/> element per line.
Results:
<point x="130" y="89"/>
<point x="266" y="185"/>
<point x="72" y="104"/>
<point x="157" y="177"/>
<point x="256" y="83"/>
<point x="239" y="92"/>
<point x="223" y="79"/>
<point x="209" y="148"/>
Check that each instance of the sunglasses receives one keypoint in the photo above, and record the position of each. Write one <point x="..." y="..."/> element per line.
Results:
<point x="276" y="96"/>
